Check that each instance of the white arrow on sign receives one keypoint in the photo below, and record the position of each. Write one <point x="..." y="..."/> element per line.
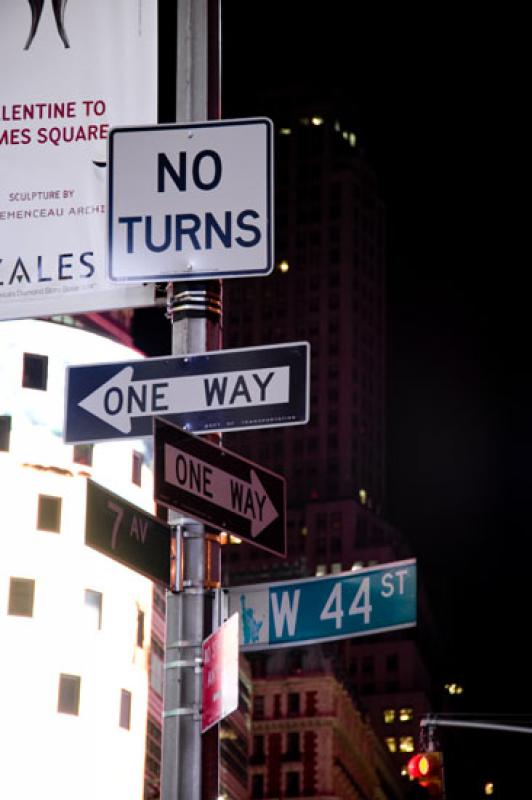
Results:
<point x="247" y="499"/>
<point x="121" y="398"/>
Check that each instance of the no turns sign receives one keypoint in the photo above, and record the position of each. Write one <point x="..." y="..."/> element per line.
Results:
<point x="190" y="201"/>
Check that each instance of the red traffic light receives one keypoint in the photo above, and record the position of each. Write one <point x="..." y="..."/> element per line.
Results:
<point x="427" y="770"/>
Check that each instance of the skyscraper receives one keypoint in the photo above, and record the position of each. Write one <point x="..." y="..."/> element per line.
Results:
<point x="329" y="288"/>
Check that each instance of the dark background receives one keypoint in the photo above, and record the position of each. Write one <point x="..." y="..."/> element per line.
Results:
<point x="442" y="95"/>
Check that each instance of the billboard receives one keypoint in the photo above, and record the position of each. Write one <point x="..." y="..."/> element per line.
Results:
<point x="71" y="71"/>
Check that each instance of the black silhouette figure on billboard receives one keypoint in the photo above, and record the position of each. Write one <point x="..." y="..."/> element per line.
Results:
<point x="59" y="14"/>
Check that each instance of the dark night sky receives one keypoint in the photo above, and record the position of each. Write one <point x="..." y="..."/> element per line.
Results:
<point x="442" y="98"/>
<point x="440" y="91"/>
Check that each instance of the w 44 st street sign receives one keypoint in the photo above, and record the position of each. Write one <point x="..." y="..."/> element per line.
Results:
<point x="288" y="613"/>
<point x="221" y="390"/>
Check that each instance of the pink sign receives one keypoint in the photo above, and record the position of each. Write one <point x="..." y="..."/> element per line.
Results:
<point x="220" y="674"/>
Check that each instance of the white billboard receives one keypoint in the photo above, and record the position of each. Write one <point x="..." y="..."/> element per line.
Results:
<point x="70" y="71"/>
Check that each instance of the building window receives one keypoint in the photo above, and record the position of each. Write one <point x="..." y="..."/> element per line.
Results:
<point x="388" y="715"/>
<point x="292" y="746"/>
<point x="93" y="608"/>
<point x="125" y="709"/>
<point x="83" y="454"/>
<point x="49" y="513"/>
<point x="406" y="744"/>
<point x="258" y="745"/>
<point x="293" y="704"/>
<point x="392" y="662"/>
<point x="406" y="714"/>
<point x="258" y="706"/>
<point x="391" y="744"/>
<point x="257" y="787"/>
<point x="5" y="432"/>
<point x="34" y="371"/>
<point x="21" y="592"/>
<point x="292" y="784"/>
<point x="276" y="706"/>
<point x="368" y="665"/>
<point x="140" y="628"/>
<point x="69" y="688"/>
<point x="156" y="667"/>
<point x="136" y="468"/>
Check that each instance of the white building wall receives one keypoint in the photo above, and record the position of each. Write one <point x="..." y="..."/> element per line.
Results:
<point x="44" y="753"/>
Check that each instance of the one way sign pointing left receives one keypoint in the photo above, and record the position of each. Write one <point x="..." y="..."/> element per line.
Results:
<point x="215" y="391"/>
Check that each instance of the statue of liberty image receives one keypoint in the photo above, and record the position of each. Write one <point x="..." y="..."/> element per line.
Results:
<point x="250" y="625"/>
<point x="36" y="7"/>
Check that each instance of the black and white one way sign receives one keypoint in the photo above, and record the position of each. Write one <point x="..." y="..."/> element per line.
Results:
<point x="190" y="201"/>
<point x="219" y="487"/>
<point x="220" y="390"/>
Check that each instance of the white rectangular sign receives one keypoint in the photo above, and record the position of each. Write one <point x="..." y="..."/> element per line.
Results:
<point x="70" y="71"/>
<point x="191" y="201"/>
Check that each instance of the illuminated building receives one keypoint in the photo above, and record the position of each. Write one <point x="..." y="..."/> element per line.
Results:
<point x="74" y="624"/>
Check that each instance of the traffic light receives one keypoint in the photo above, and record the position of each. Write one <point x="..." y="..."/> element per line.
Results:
<point x="427" y="770"/>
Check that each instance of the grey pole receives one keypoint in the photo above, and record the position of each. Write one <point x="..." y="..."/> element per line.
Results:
<point x="195" y="311"/>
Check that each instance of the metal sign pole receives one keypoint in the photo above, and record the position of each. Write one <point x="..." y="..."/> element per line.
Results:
<point x="195" y="311"/>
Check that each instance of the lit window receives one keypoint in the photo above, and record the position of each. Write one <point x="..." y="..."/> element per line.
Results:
<point x="317" y="121"/>
<point x="336" y="567"/>
<point x="357" y="565"/>
<point x="363" y="496"/>
<point x="406" y="744"/>
<point x="391" y="744"/>
<point x="489" y="789"/>
<point x="5" y="432"/>
<point x="156" y="673"/>
<point x="388" y="715"/>
<point x="93" y="609"/>
<point x="406" y="714"/>
<point x="352" y="139"/>
<point x="285" y="131"/>
<point x="125" y="709"/>
<point x="69" y="689"/>
<point x="34" y="371"/>
<point x="21" y="592"/>
<point x="321" y="569"/>
<point x="284" y="266"/>
<point x="136" y="469"/>
<point x="49" y="513"/>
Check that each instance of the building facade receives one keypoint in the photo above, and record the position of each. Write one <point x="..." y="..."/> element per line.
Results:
<point x="74" y="624"/>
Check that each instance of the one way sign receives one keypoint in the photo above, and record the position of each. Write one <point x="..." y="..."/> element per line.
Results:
<point x="220" y="390"/>
<point x="219" y="488"/>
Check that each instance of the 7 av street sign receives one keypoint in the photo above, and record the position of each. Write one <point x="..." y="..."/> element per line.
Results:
<point x="288" y="613"/>
<point x="219" y="488"/>
<point x="191" y="201"/>
<point x="127" y="534"/>
<point x="219" y="390"/>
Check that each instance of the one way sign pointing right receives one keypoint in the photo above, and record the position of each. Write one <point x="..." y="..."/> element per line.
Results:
<point x="218" y="487"/>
